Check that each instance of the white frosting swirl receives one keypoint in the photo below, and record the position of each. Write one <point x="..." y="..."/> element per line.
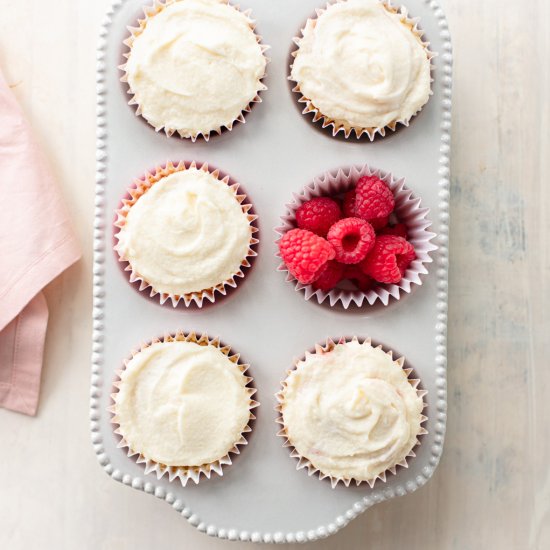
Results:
<point x="182" y="404"/>
<point x="195" y="67"/>
<point x="351" y="412"/>
<point x="362" y="66"/>
<point x="187" y="233"/>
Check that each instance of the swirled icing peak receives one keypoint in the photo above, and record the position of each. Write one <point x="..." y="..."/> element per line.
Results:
<point x="362" y="66"/>
<point x="351" y="411"/>
<point x="187" y="233"/>
<point x="182" y="404"/>
<point x="195" y="66"/>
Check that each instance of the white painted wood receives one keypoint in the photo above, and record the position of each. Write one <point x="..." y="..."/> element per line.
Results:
<point x="492" y="488"/>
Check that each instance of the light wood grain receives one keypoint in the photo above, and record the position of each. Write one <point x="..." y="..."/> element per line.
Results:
<point x="492" y="489"/>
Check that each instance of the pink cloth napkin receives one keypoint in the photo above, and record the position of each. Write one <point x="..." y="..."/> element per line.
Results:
<point x="36" y="245"/>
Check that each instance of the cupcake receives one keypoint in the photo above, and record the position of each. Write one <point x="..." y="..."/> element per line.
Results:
<point x="361" y="66"/>
<point x="350" y="412"/>
<point x="194" y="66"/>
<point x="186" y="233"/>
<point x="183" y="404"/>
<point x="355" y="236"/>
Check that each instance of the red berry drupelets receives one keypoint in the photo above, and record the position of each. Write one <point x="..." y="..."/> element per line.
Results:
<point x="389" y="259"/>
<point x="318" y="215"/>
<point x="361" y="280"/>
<point x="305" y="254"/>
<point x="348" y="207"/>
<point x="349" y="204"/>
<point x="352" y="238"/>
<point x="405" y="259"/>
<point x="374" y="200"/>
<point x="399" y="230"/>
<point x="330" y="277"/>
<point x="379" y="224"/>
<point x="356" y="237"/>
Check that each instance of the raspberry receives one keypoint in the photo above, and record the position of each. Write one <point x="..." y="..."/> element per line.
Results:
<point x="399" y="230"/>
<point x="389" y="259"/>
<point x="379" y="223"/>
<point x="352" y="238"/>
<point x="305" y="254"/>
<point x="405" y="260"/>
<point x="374" y="199"/>
<point x="330" y="277"/>
<point x="317" y="215"/>
<point x="361" y="280"/>
<point x="349" y="204"/>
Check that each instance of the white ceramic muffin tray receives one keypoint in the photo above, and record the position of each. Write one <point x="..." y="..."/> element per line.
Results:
<point x="262" y="496"/>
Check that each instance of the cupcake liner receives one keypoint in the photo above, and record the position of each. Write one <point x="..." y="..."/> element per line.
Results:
<point x="152" y="11"/>
<point x="186" y="473"/>
<point x="339" y="126"/>
<point x="305" y="463"/>
<point x="141" y="186"/>
<point x="407" y="209"/>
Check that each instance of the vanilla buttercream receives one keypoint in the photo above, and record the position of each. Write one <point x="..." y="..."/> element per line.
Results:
<point x="187" y="233"/>
<point x="195" y="66"/>
<point x="352" y="411"/>
<point x="362" y="66"/>
<point x="182" y="404"/>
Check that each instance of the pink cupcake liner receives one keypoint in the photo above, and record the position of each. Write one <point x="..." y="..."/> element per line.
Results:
<point x="185" y="473"/>
<point x="140" y="187"/>
<point x="339" y="126"/>
<point x="303" y="462"/>
<point x="155" y="9"/>
<point x="408" y="210"/>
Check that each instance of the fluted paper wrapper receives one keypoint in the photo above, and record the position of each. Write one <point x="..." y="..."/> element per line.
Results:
<point x="305" y="463"/>
<point x="338" y="126"/>
<point x="152" y="11"/>
<point x="186" y="473"/>
<point x="141" y="186"/>
<point x="408" y="210"/>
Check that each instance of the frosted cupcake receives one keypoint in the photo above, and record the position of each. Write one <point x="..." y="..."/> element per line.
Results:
<point x="362" y="66"/>
<point x="350" y="412"/>
<point x="185" y="233"/>
<point x="194" y="66"/>
<point x="182" y="405"/>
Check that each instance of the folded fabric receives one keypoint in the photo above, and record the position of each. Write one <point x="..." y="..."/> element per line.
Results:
<point x="37" y="243"/>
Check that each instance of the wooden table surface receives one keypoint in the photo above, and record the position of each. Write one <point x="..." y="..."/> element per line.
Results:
<point x="492" y="489"/>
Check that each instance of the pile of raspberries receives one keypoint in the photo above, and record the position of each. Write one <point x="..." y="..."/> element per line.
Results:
<point x="351" y="241"/>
